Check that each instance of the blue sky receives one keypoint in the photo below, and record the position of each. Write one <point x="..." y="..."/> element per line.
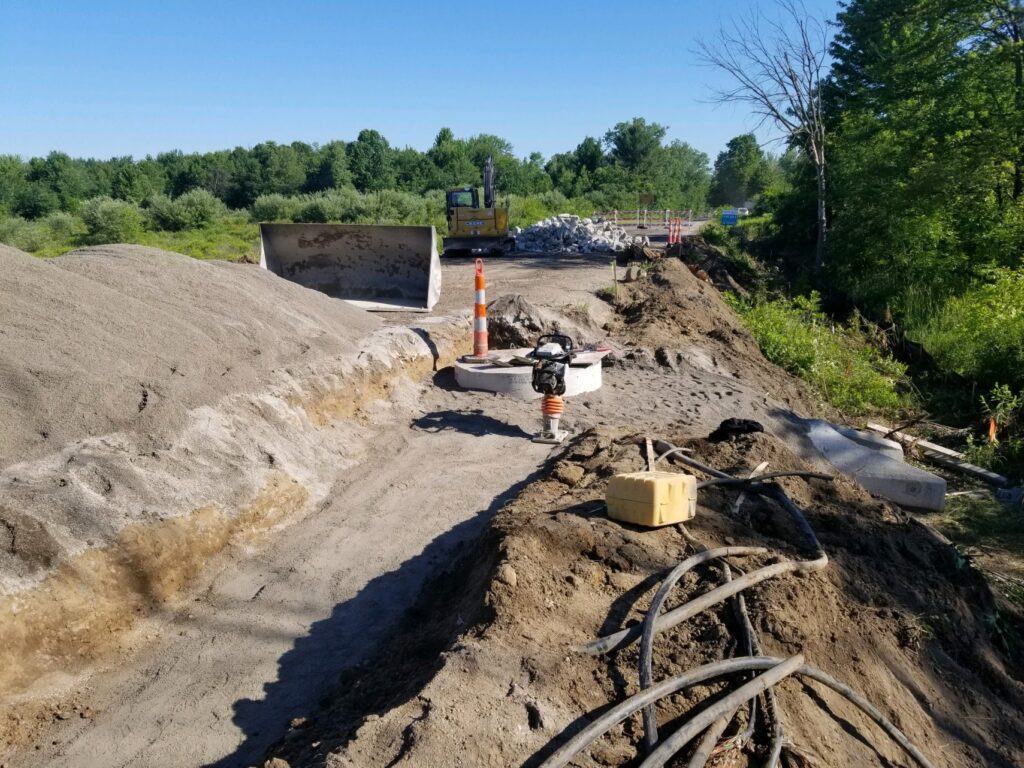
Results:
<point x="98" y="79"/>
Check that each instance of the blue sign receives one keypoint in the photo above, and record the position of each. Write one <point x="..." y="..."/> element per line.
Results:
<point x="729" y="218"/>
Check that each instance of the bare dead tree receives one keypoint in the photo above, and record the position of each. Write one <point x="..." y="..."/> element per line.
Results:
<point x="778" y="66"/>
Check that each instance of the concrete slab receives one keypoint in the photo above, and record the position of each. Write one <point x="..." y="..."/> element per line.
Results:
<point x="880" y="474"/>
<point x="583" y="375"/>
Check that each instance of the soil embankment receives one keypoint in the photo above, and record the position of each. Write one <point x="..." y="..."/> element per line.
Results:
<point x="486" y="671"/>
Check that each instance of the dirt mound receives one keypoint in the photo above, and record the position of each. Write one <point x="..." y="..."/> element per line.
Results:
<point x="684" y="319"/>
<point x="710" y="261"/>
<point x="131" y="339"/>
<point x="484" y="672"/>
<point x="513" y="322"/>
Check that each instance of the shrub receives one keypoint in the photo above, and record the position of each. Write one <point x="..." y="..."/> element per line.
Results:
<point x="111" y="221"/>
<point x="200" y="208"/>
<point x="275" y="207"/>
<point x="980" y="334"/>
<point x="63" y="227"/>
<point x="25" y="235"/>
<point x="796" y="335"/>
<point x="715" y="233"/>
<point x="340" y="205"/>
<point x="192" y="210"/>
<point x="393" y="207"/>
<point x="753" y="229"/>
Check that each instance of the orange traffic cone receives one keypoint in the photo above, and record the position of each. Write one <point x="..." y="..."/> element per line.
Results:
<point x="479" y="317"/>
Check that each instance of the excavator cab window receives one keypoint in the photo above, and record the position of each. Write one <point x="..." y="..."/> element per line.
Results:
<point x="463" y="198"/>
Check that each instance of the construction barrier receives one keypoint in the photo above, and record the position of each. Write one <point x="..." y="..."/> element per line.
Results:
<point x="643" y="217"/>
<point x="480" y="313"/>
<point x="676" y="227"/>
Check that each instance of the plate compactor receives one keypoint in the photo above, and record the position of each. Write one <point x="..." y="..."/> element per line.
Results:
<point x="551" y="356"/>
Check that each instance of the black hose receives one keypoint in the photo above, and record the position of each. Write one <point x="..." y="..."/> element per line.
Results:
<point x="678" y="453"/>
<point x="624" y="637"/>
<point x="752" y="484"/>
<point x="801" y="520"/>
<point x="772" y="718"/>
<point x="650" y="620"/>
<point x="749" y="639"/>
<point x="669" y="747"/>
<point x="611" y="717"/>
<point x="747" y="481"/>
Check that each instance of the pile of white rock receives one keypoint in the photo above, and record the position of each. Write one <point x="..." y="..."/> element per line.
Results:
<point x="566" y="233"/>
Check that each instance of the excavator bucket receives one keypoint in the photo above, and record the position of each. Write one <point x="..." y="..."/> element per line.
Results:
<point x="373" y="267"/>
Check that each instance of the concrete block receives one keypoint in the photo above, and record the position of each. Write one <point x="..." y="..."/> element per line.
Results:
<point x="889" y="448"/>
<point x="880" y="474"/>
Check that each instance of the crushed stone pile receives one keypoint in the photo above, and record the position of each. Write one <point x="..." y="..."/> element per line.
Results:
<point x="572" y="234"/>
<point x="485" y="670"/>
<point x="125" y="338"/>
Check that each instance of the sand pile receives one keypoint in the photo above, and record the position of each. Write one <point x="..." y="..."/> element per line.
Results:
<point x="130" y="339"/>
<point x="154" y="411"/>
<point x="485" y="673"/>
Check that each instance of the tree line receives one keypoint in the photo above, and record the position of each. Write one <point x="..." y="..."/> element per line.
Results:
<point x="632" y="158"/>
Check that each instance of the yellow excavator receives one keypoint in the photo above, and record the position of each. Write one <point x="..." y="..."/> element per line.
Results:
<point x="472" y="229"/>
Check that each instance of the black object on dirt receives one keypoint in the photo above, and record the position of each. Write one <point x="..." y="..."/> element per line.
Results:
<point x="730" y="428"/>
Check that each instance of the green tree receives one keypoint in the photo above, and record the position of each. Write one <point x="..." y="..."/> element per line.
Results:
<point x="12" y="180"/>
<point x="635" y="143"/>
<point x="329" y="168"/>
<point x="925" y="154"/>
<point x="589" y="154"/>
<point x="132" y="181"/>
<point x="681" y="178"/>
<point x="451" y="157"/>
<point x="741" y="172"/>
<point x="370" y="162"/>
<point x="63" y="176"/>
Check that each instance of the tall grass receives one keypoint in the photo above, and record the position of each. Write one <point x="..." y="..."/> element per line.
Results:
<point x="980" y="334"/>
<point x="837" y="360"/>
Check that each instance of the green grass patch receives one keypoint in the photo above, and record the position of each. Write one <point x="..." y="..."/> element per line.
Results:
<point x="980" y="335"/>
<point x="234" y="238"/>
<point x="839" y="361"/>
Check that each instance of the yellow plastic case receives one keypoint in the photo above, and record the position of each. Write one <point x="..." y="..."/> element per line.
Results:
<point x="652" y="499"/>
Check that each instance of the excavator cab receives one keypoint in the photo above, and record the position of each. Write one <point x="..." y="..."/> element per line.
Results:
<point x="467" y="197"/>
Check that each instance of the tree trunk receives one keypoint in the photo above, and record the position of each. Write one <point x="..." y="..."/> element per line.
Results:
<point x="1018" y="99"/>
<point x="819" y="250"/>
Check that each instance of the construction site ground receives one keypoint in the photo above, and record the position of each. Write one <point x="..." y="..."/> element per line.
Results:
<point x="424" y="611"/>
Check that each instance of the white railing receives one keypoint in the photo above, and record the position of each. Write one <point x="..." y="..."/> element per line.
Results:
<point x="644" y="217"/>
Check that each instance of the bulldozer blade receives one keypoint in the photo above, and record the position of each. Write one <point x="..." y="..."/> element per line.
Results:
<point x="374" y="267"/>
